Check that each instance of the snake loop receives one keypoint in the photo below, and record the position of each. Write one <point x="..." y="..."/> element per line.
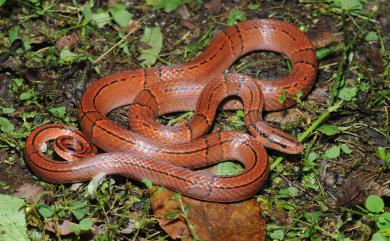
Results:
<point x="172" y="156"/>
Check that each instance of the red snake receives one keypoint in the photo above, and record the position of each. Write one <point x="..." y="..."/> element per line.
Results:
<point x="172" y="156"/>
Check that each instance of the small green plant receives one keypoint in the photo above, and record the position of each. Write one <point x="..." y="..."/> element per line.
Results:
<point x="235" y="16"/>
<point x="167" y="5"/>
<point x="383" y="154"/>
<point x="375" y="211"/>
<point x="153" y="38"/>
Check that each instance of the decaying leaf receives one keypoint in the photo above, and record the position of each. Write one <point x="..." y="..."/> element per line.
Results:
<point x="62" y="228"/>
<point x="210" y="221"/>
<point x="70" y="41"/>
<point x="323" y="39"/>
<point x="30" y="192"/>
<point x="213" y="6"/>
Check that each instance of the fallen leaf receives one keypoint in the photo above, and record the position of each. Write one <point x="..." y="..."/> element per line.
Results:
<point x="62" y="228"/>
<point x="183" y="12"/>
<point x="30" y="192"/>
<point x="211" y="221"/>
<point x="188" y="24"/>
<point x="323" y="39"/>
<point x="70" y="40"/>
<point x="372" y="57"/>
<point x="213" y="5"/>
<point x="281" y="217"/>
<point x="284" y="117"/>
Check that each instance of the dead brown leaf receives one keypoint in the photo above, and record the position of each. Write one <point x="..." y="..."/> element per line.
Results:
<point x="62" y="228"/>
<point x="213" y="5"/>
<point x="132" y="27"/>
<point x="183" y="12"/>
<point x="30" y="192"/>
<point x="70" y="40"/>
<point x="351" y="194"/>
<point x="323" y="39"/>
<point x="283" y="117"/>
<point x="211" y="221"/>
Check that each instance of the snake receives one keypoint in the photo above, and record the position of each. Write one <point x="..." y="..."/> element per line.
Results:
<point x="175" y="156"/>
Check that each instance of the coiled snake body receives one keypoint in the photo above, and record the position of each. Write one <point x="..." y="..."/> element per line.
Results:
<point x="168" y="155"/>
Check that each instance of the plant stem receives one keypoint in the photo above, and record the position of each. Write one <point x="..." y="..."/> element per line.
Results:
<point x="313" y="126"/>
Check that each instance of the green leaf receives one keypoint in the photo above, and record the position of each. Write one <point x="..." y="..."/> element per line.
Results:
<point x="383" y="154"/>
<point x="2" y="2"/>
<point x="345" y="148"/>
<point x="121" y="16"/>
<point x="228" y="168"/>
<point x="79" y="204"/>
<point x="153" y="38"/>
<point x="86" y="224"/>
<point x="277" y="234"/>
<point x="328" y="130"/>
<point x="374" y="203"/>
<point x="349" y="5"/>
<point x="347" y="93"/>
<point x="312" y="217"/>
<point x="26" y="42"/>
<point x="16" y="84"/>
<point x="378" y="237"/>
<point x="45" y="210"/>
<point x="12" y="219"/>
<point x="67" y="56"/>
<point x="147" y="183"/>
<point x="282" y="98"/>
<point x="321" y="53"/>
<point x="75" y="228"/>
<point x="13" y="33"/>
<point x="87" y="12"/>
<point x="6" y="125"/>
<point x="240" y="113"/>
<point x="309" y="181"/>
<point x="80" y="213"/>
<point x="289" y="192"/>
<point x="253" y="6"/>
<point x="58" y="111"/>
<point x="332" y="152"/>
<point x="371" y="36"/>
<point x="167" y="5"/>
<point x="27" y="95"/>
<point x="101" y="19"/>
<point x="235" y="16"/>
<point x="172" y="214"/>
<point x="7" y="110"/>
<point x="312" y="156"/>
<point x="383" y="221"/>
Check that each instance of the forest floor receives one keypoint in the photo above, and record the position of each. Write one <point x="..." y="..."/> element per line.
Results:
<point x="336" y="189"/>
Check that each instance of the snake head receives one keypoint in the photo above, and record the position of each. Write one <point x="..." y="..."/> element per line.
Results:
<point x="275" y="139"/>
